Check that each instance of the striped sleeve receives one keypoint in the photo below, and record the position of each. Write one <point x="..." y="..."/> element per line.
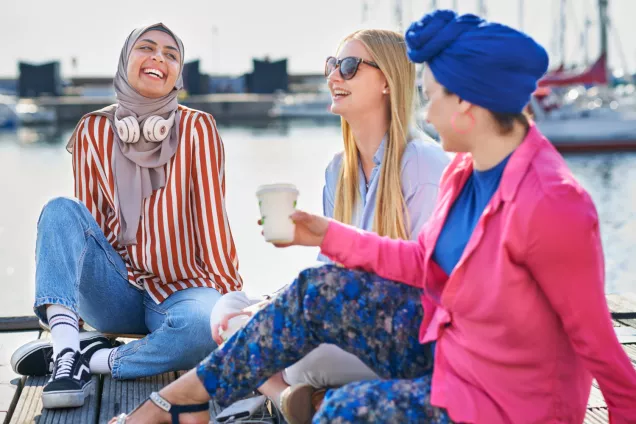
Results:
<point x="86" y="175"/>
<point x="215" y="246"/>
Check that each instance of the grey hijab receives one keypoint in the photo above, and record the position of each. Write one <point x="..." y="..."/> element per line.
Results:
<point x="138" y="168"/>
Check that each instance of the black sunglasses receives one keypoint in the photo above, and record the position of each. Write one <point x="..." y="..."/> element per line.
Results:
<point x="348" y="66"/>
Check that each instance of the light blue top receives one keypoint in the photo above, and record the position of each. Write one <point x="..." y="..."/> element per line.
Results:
<point x="422" y="165"/>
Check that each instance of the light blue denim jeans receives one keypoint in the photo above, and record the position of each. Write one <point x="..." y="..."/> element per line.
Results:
<point x="77" y="268"/>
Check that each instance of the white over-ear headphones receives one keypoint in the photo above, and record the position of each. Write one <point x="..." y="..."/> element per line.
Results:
<point x="128" y="129"/>
<point x="155" y="128"/>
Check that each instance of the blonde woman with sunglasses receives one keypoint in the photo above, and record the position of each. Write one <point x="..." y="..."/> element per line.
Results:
<point x="385" y="181"/>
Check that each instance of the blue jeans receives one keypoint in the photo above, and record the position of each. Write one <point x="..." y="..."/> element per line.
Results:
<point x="77" y="268"/>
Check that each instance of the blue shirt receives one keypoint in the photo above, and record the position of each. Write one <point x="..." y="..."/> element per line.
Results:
<point x="464" y="215"/>
<point x="422" y="165"/>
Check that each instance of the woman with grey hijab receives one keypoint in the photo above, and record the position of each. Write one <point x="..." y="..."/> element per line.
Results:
<point x="145" y="247"/>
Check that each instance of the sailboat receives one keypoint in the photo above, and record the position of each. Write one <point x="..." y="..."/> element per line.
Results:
<point x="577" y="111"/>
<point x="574" y="117"/>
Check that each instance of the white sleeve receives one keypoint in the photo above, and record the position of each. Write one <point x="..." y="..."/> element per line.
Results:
<point x="228" y="303"/>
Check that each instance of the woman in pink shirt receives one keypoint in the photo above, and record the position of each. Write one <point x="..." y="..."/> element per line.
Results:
<point x="510" y="269"/>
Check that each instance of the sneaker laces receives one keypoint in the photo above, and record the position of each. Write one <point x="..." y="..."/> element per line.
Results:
<point x="64" y="365"/>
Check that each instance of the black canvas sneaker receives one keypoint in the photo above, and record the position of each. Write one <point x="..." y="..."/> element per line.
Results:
<point x="36" y="357"/>
<point x="70" y="382"/>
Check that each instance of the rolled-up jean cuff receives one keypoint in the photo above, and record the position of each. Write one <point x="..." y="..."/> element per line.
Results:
<point x="122" y="352"/>
<point x="115" y="371"/>
<point x="41" y="301"/>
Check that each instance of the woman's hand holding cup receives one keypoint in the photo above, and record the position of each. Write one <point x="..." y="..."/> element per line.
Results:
<point x="309" y="230"/>
<point x="283" y="225"/>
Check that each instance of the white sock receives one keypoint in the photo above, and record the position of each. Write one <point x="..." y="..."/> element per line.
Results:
<point x="64" y="328"/>
<point x="102" y="361"/>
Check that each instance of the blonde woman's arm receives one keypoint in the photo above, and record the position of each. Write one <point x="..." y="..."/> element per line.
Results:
<point x="423" y="164"/>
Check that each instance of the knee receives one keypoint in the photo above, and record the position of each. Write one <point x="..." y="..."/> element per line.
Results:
<point x="327" y="286"/>
<point x="59" y="212"/>
<point x="192" y="332"/>
<point x="320" y="281"/>
<point x="198" y="318"/>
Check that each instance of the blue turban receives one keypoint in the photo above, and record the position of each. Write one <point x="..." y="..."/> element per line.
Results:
<point x="488" y="64"/>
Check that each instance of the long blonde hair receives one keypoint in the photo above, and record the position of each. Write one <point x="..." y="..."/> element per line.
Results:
<point x="388" y="50"/>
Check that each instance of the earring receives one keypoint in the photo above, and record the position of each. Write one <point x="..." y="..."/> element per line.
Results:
<point x="385" y="91"/>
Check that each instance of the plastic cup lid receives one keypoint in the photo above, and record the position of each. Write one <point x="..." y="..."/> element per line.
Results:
<point x="276" y="187"/>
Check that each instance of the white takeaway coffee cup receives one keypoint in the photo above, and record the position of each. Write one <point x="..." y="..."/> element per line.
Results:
<point x="277" y="202"/>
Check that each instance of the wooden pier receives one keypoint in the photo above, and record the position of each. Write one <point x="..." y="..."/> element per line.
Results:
<point x="20" y="397"/>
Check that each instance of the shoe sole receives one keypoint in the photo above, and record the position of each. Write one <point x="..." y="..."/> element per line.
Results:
<point x="24" y="351"/>
<point x="66" y="399"/>
<point x="296" y="404"/>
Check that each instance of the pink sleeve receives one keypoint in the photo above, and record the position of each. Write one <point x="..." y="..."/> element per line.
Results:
<point x="566" y="259"/>
<point x="396" y="260"/>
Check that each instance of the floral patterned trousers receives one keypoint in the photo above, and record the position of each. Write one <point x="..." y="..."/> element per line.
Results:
<point x="375" y="319"/>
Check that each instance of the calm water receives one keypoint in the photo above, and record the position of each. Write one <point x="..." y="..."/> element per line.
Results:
<point x="34" y="166"/>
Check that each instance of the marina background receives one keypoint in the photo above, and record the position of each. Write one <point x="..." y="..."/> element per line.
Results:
<point x="257" y="66"/>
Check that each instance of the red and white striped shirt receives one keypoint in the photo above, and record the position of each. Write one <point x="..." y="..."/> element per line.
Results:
<point x="184" y="238"/>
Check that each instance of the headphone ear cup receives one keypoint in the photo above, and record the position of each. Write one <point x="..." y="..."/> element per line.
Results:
<point x="128" y="129"/>
<point x="157" y="129"/>
<point x="149" y="128"/>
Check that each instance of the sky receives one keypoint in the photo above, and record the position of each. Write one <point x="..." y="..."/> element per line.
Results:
<point x="226" y="34"/>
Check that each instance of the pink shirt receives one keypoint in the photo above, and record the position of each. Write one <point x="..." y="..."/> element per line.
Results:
<point x="521" y="324"/>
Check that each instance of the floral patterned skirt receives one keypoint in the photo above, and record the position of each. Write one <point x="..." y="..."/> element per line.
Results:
<point x="375" y="319"/>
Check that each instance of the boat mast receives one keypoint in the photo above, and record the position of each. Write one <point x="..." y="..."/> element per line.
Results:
<point x="365" y="11"/>
<point x="585" y="40"/>
<point x="562" y="32"/>
<point x="603" y="21"/>
<point x="481" y="7"/>
<point x="398" y="15"/>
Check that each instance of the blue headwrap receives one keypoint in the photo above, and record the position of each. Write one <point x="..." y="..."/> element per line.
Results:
<point x="488" y="64"/>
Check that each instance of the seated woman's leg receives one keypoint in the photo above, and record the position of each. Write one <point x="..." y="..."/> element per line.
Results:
<point x="238" y="301"/>
<point x="372" y="318"/>
<point x="328" y="366"/>
<point x="76" y="268"/>
<point x="387" y="401"/>
<point x="78" y="273"/>
<point x="179" y="335"/>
